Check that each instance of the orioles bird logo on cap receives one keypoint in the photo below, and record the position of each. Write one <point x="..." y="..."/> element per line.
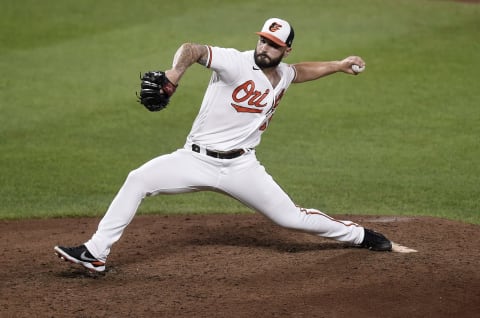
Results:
<point x="275" y="27"/>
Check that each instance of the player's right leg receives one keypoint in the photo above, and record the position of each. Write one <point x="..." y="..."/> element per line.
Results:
<point x="253" y="186"/>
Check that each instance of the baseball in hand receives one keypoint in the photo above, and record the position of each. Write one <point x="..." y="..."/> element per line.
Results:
<point x="357" y="68"/>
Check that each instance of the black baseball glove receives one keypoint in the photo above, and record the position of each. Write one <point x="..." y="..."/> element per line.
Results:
<point x="155" y="90"/>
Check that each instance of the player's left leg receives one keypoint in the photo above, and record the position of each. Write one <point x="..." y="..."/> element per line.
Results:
<point x="178" y="172"/>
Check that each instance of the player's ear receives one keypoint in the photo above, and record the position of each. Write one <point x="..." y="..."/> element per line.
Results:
<point x="287" y="51"/>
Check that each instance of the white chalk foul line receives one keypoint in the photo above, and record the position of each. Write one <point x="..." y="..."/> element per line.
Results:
<point x="402" y="249"/>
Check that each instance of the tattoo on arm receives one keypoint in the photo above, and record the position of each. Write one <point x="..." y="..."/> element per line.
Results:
<point x="188" y="54"/>
<point x="204" y="57"/>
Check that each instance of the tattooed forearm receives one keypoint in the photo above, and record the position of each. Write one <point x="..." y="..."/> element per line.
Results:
<point x="185" y="56"/>
<point x="188" y="54"/>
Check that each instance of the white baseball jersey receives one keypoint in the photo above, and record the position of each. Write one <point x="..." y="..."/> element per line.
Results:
<point x="239" y="101"/>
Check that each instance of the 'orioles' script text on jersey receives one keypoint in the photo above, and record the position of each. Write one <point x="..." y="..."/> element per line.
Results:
<point x="239" y="101"/>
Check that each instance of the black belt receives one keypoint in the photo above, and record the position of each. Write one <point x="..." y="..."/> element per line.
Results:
<point x="220" y="154"/>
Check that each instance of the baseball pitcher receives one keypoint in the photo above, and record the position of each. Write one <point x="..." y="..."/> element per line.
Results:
<point x="244" y="93"/>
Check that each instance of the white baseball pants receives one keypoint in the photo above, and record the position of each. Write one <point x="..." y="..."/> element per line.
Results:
<point x="242" y="178"/>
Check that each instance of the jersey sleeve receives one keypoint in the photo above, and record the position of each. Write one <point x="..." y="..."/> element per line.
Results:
<point x="289" y="72"/>
<point x="292" y="72"/>
<point x="225" y="62"/>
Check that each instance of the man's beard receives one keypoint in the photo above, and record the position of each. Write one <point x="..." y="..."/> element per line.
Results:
<point x="263" y="61"/>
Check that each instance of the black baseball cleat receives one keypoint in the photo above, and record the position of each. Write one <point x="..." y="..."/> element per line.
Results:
<point x="80" y="255"/>
<point x="376" y="241"/>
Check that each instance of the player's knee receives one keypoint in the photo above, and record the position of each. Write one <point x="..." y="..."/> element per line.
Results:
<point x="135" y="178"/>
<point x="289" y="222"/>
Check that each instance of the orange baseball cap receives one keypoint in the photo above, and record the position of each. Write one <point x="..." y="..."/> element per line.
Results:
<point x="278" y="31"/>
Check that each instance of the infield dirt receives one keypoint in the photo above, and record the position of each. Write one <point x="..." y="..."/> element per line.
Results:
<point x="241" y="266"/>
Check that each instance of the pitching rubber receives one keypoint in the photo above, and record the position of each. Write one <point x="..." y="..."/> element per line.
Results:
<point x="402" y="249"/>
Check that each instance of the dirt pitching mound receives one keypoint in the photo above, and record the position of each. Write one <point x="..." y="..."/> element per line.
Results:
<point x="241" y="266"/>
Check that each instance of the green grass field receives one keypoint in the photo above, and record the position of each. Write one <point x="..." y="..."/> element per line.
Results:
<point x="403" y="138"/>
